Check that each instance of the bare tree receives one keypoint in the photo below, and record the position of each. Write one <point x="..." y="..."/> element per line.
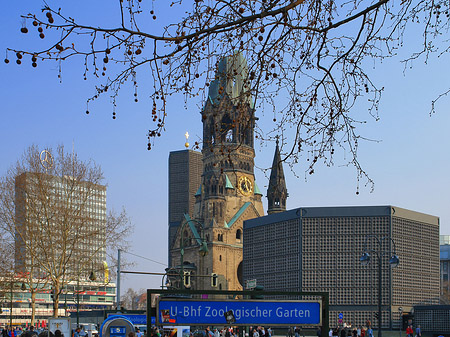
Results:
<point x="52" y="205"/>
<point x="134" y="300"/>
<point x="313" y="54"/>
<point x="11" y="278"/>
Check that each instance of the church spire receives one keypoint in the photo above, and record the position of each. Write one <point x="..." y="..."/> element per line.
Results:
<point x="277" y="192"/>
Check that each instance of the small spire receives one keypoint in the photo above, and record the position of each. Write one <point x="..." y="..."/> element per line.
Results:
<point x="277" y="191"/>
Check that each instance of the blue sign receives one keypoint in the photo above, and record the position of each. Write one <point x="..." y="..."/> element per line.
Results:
<point x="139" y="319"/>
<point x="341" y="315"/>
<point x="196" y="312"/>
<point x="117" y="330"/>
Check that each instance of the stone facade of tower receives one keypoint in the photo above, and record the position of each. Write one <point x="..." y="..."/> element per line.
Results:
<point x="228" y="194"/>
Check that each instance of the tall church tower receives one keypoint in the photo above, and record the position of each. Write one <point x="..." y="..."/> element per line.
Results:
<point x="277" y="191"/>
<point x="228" y="193"/>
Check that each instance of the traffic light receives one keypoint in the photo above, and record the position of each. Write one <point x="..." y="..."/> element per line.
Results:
<point x="214" y="280"/>
<point x="376" y="315"/>
<point x="52" y="294"/>
<point x="187" y="279"/>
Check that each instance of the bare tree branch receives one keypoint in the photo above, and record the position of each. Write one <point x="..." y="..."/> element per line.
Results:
<point x="306" y="60"/>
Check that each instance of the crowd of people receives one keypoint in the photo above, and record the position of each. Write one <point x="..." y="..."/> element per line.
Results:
<point x="366" y="331"/>
<point x="28" y="332"/>
<point x="259" y="331"/>
<point x="7" y="331"/>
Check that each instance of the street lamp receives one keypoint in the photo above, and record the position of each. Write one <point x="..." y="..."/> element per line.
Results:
<point x="92" y="277"/>
<point x="203" y="250"/>
<point x="393" y="261"/>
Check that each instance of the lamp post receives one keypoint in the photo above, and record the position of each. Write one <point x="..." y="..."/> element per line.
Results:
<point x="11" y="306"/>
<point x="203" y="250"/>
<point x="78" y="301"/>
<point x="400" y="310"/>
<point x="92" y="277"/>
<point x="393" y="261"/>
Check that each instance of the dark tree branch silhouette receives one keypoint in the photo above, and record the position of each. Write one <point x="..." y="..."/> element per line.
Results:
<point x="311" y="54"/>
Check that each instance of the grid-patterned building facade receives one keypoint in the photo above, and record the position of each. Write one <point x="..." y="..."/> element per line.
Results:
<point x="185" y="171"/>
<point x="445" y="268"/>
<point x="74" y="224"/>
<point x="319" y="249"/>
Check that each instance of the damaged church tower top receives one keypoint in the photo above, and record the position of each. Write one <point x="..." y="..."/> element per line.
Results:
<point x="231" y="75"/>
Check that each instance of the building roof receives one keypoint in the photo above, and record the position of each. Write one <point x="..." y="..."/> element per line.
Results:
<point x="342" y="211"/>
<point x="257" y="190"/>
<point x="193" y="229"/>
<point x="228" y="183"/>
<point x="199" y="191"/>
<point x="237" y="215"/>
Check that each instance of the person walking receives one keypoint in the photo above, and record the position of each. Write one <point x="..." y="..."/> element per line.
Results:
<point x="418" y="331"/>
<point x="290" y="332"/>
<point x="409" y="331"/>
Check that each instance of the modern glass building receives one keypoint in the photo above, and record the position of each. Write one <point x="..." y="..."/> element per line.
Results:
<point x="445" y="268"/>
<point x="84" y="296"/>
<point x="319" y="249"/>
<point x="61" y="219"/>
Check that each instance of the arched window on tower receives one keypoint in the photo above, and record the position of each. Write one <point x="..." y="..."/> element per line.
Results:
<point x="277" y="202"/>
<point x="238" y="235"/>
<point x="226" y="129"/>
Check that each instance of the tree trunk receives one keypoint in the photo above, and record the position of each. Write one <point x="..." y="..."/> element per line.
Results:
<point x="56" y="292"/>
<point x="33" y="305"/>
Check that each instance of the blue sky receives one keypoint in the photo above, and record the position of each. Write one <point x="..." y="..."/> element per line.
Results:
<point x="409" y="163"/>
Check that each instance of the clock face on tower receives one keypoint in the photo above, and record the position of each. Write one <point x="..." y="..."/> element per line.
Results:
<point x="245" y="185"/>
